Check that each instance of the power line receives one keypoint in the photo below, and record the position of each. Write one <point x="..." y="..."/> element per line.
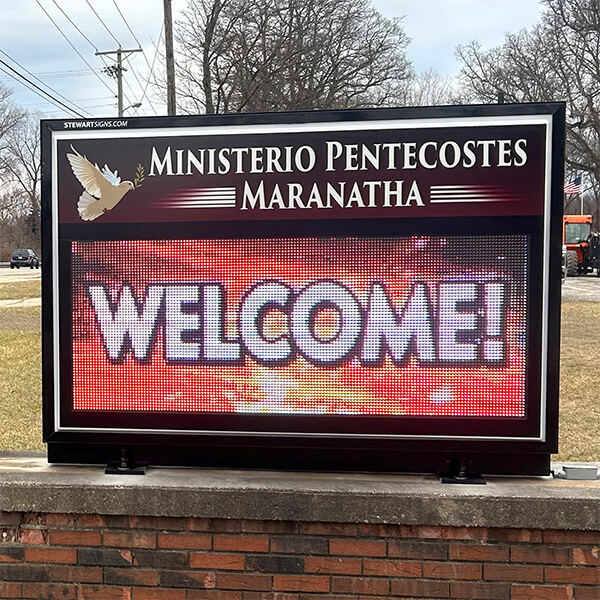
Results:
<point x="139" y="83"/>
<point x="45" y="84"/>
<point x="72" y="46"/>
<point x="152" y="67"/>
<point x="85" y="37"/>
<point x="103" y="23"/>
<point x="143" y="53"/>
<point x="32" y="85"/>
<point x="131" y="31"/>
<point x="85" y="106"/>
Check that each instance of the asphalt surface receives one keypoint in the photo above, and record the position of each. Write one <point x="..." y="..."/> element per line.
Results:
<point x="10" y="276"/>
<point x="585" y="288"/>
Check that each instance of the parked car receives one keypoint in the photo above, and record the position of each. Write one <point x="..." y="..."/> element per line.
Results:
<point x="24" y="257"/>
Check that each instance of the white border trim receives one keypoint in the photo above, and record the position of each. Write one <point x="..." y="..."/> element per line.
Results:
<point x="333" y="126"/>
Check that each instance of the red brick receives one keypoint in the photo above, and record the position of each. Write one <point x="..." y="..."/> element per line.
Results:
<point x="12" y="553"/>
<point x="158" y="594"/>
<point x="282" y="596"/>
<point x="70" y="537"/>
<point x="275" y="563"/>
<point x="418" y="550"/>
<point x="394" y="568"/>
<point x="51" y="555"/>
<point x="10" y="519"/>
<point x="300" y="583"/>
<point x="541" y="592"/>
<point x="158" y="523"/>
<point x="540" y="554"/>
<point x="214" y="525"/>
<point x="479" y="552"/>
<point x="242" y="581"/>
<point x="338" y="566"/>
<point x="552" y="536"/>
<point x="299" y="544"/>
<point x="213" y="595"/>
<point x="10" y="590"/>
<point x="512" y="572"/>
<point x="329" y="528"/>
<point x="428" y="532"/>
<point x="32" y="536"/>
<point x="531" y="536"/>
<point x="586" y="593"/>
<point x="358" y="547"/>
<point x="360" y="585"/>
<point x="59" y="520"/>
<point x="129" y="539"/>
<point x="90" y="521"/>
<point x="116" y="576"/>
<point x="480" y="590"/>
<point x="184" y="541"/>
<point x="187" y="579"/>
<point x="48" y="591"/>
<point x="241" y="543"/>
<point x="580" y="575"/>
<point x="76" y="574"/>
<point x="269" y="527"/>
<point x="444" y="570"/>
<point x="381" y="530"/>
<point x="103" y="592"/>
<point x="464" y="533"/>
<point x="222" y="562"/>
<point x="586" y="556"/>
<point x="420" y="588"/>
<point x="32" y="518"/>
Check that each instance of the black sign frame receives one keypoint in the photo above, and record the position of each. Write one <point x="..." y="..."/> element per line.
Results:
<point x="99" y="439"/>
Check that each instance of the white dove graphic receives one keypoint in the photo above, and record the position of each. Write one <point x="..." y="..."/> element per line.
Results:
<point x="103" y="189"/>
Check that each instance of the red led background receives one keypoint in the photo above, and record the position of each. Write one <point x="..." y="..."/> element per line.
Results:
<point x="411" y="389"/>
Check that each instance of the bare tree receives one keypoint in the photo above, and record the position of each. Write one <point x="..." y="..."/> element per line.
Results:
<point x="429" y="88"/>
<point x="275" y="55"/>
<point x="9" y="113"/>
<point x="558" y="59"/>
<point x="20" y="172"/>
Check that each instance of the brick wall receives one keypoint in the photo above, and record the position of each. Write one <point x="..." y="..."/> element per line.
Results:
<point x="168" y="558"/>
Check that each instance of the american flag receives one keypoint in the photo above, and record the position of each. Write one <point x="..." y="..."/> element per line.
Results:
<point x="573" y="187"/>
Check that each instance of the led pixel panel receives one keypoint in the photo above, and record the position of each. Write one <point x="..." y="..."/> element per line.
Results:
<point x="398" y="326"/>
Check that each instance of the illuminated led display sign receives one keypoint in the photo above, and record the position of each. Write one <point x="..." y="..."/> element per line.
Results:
<point x="366" y="289"/>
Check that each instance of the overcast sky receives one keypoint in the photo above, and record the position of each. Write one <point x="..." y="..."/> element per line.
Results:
<point x="28" y="36"/>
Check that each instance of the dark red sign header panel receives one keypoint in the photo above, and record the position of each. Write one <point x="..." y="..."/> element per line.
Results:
<point x="311" y="282"/>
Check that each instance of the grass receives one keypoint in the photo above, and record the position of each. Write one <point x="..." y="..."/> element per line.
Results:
<point x="21" y="289"/>
<point x="579" y="419"/>
<point x="20" y="381"/>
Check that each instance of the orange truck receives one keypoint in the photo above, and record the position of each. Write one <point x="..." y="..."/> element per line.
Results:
<point x="583" y="246"/>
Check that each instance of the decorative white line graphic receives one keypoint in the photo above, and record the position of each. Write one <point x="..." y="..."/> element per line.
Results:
<point x="446" y="194"/>
<point x="215" y="197"/>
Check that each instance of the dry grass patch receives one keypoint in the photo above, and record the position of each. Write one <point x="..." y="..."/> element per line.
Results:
<point x="21" y="289"/>
<point x="20" y="379"/>
<point x="579" y="421"/>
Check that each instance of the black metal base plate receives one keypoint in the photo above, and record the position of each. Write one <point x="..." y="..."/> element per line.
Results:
<point x="469" y="480"/>
<point x="113" y="468"/>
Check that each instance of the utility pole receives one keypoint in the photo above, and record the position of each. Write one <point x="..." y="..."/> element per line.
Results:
<point x="118" y="71"/>
<point x="170" y="57"/>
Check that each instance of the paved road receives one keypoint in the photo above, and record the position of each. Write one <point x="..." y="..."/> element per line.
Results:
<point x="16" y="275"/>
<point x="8" y="276"/>
<point x="579" y="289"/>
